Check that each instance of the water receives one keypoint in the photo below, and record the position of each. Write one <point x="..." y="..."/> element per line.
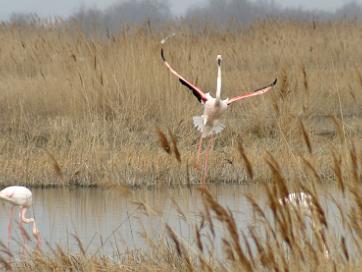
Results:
<point x="108" y="222"/>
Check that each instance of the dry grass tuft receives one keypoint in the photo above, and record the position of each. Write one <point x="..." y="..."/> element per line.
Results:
<point x="247" y="163"/>
<point x="174" y="146"/>
<point x="163" y="141"/>
<point x="90" y="103"/>
<point x="305" y="136"/>
<point x="55" y="164"/>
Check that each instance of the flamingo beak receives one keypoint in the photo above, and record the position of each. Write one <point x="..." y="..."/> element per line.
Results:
<point x="219" y="59"/>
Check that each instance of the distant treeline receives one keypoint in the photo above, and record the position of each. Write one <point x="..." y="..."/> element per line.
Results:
<point x="223" y="14"/>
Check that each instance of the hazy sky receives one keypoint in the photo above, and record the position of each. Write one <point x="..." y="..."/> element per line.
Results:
<point x="66" y="7"/>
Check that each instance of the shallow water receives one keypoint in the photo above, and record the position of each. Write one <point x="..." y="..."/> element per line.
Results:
<point x="108" y="222"/>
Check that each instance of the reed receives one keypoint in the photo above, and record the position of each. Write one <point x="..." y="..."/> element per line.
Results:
<point x="281" y="237"/>
<point x="95" y="102"/>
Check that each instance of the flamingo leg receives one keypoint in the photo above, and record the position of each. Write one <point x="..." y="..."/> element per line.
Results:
<point x="209" y="147"/>
<point x="21" y="227"/>
<point x="10" y="222"/>
<point x="23" y="233"/>
<point x="35" y="230"/>
<point x="199" y="147"/>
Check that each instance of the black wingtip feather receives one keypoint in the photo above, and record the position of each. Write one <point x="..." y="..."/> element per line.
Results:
<point x="162" y="55"/>
<point x="183" y="82"/>
<point x="267" y="86"/>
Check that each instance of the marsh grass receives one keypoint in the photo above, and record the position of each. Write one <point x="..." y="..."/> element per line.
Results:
<point x="280" y="237"/>
<point x="82" y="111"/>
<point x="94" y="103"/>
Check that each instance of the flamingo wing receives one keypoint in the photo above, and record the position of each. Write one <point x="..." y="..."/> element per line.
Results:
<point x="256" y="92"/>
<point x="200" y="95"/>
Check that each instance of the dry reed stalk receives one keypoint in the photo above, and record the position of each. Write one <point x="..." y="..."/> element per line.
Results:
<point x="312" y="169"/>
<point x="55" y="164"/>
<point x="284" y="89"/>
<point x="80" y="245"/>
<point x="226" y="217"/>
<point x="24" y="233"/>
<point x="62" y="257"/>
<point x="163" y="141"/>
<point x="208" y="217"/>
<point x="174" y="146"/>
<point x="6" y="264"/>
<point x="339" y="127"/>
<point x="260" y="249"/>
<point x="228" y="250"/>
<point x="337" y="167"/>
<point x="313" y="252"/>
<point x="204" y="265"/>
<point x="354" y="163"/>
<point x="188" y="179"/>
<point x="198" y="239"/>
<point x="316" y="207"/>
<point x="305" y="79"/>
<point x="305" y="136"/>
<point x="248" y="165"/>
<point x="271" y="257"/>
<point x="277" y="175"/>
<point x="344" y="248"/>
<point x="5" y="250"/>
<point x="341" y="212"/>
<point x="282" y="215"/>
<point x="256" y="208"/>
<point x="179" y="248"/>
<point x="178" y="209"/>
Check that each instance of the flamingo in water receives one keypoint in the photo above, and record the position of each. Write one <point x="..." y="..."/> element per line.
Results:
<point x="22" y="197"/>
<point x="209" y="122"/>
<point x="303" y="202"/>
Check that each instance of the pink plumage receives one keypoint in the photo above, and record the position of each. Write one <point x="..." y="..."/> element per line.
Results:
<point x="22" y="197"/>
<point x="209" y="122"/>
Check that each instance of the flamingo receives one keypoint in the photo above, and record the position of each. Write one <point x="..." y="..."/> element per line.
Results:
<point x="208" y="124"/>
<point x="303" y="202"/>
<point x="22" y="197"/>
<point x="298" y="200"/>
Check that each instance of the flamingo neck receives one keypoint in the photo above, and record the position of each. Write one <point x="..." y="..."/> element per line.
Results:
<point x="218" y="80"/>
<point x="28" y="221"/>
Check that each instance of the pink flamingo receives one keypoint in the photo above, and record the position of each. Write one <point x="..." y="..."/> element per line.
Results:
<point x="22" y="197"/>
<point x="209" y="123"/>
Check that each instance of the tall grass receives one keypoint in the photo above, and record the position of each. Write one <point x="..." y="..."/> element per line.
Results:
<point x="94" y="103"/>
<point x="280" y="237"/>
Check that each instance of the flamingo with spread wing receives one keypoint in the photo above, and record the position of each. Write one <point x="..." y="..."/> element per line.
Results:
<point x="209" y="122"/>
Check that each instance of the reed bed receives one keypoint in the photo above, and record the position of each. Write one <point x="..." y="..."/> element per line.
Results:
<point x="281" y="237"/>
<point x="83" y="110"/>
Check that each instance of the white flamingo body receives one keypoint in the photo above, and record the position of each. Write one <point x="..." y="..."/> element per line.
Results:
<point x="213" y="106"/>
<point x="22" y="197"/>
<point x="209" y="123"/>
<point x="17" y="195"/>
<point x="304" y="202"/>
<point x="298" y="200"/>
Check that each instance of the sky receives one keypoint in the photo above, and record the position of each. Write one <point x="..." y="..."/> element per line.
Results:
<point x="49" y="8"/>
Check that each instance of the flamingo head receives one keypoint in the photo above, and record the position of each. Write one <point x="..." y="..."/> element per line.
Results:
<point x="219" y="59"/>
<point x="35" y="230"/>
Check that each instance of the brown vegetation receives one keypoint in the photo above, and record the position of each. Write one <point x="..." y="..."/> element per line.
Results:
<point x="77" y="110"/>
<point x="281" y="237"/>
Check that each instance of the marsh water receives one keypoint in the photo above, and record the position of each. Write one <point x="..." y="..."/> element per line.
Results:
<point x="109" y="222"/>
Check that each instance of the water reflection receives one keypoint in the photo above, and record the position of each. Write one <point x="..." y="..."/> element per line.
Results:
<point x="107" y="217"/>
